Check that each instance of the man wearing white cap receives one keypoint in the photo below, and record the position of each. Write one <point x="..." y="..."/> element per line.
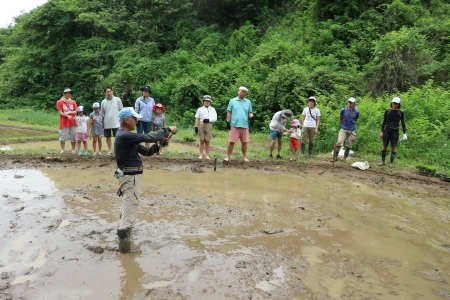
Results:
<point x="204" y="119"/>
<point x="390" y="130"/>
<point x="127" y="147"/>
<point x="67" y="108"/>
<point x="239" y="110"/>
<point x="348" y="117"/>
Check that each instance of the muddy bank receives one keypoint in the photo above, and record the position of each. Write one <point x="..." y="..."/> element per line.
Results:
<point x="258" y="230"/>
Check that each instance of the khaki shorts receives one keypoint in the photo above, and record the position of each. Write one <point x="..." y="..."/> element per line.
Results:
<point x="205" y="131"/>
<point x="131" y="189"/>
<point x="350" y="135"/>
<point x="239" y="133"/>
<point x="308" y="132"/>
<point x="67" y="133"/>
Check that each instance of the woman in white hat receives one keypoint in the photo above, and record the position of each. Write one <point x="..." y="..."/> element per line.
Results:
<point x="390" y="130"/>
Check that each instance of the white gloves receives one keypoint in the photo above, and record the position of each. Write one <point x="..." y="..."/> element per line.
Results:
<point x="404" y="138"/>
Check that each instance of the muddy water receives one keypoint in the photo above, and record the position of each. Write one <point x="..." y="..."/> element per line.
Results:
<point x="53" y="146"/>
<point x="230" y="234"/>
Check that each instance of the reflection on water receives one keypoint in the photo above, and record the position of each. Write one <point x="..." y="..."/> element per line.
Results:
<point x="224" y="234"/>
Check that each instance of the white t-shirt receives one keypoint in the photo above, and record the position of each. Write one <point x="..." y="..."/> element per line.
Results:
<point x="82" y="124"/>
<point x="206" y="113"/>
<point x="310" y="118"/>
<point x="296" y="133"/>
<point x="111" y="108"/>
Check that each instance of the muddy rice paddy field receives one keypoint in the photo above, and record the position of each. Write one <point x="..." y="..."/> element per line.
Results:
<point x="258" y="230"/>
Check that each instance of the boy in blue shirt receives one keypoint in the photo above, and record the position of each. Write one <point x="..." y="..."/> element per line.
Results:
<point x="348" y="117"/>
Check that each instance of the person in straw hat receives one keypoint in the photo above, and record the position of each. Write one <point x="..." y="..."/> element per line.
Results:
<point x="277" y="127"/>
<point x="204" y="119"/>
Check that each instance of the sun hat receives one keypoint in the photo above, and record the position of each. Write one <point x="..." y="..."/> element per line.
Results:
<point x="67" y="91"/>
<point x="295" y="123"/>
<point x="128" y="112"/>
<point x="396" y="100"/>
<point x="313" y="99"/>
<point x="287" y="114"/>
<point x="146" y="88"/>
<point x="160" y="106"/>
<point x="96" y="105"/>
<point x="352" y="99"/>
<point x="80" y="108"/>
<point x="208" y="98"/>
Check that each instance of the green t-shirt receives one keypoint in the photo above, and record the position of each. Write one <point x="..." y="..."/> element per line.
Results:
<point x="239" y="112"/>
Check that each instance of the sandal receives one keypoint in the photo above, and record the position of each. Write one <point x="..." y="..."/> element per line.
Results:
<point x="62" y="151"/>
<point x="109" y="153"/>
<point x="95" y="154"/>
<point x="99" y="153"/>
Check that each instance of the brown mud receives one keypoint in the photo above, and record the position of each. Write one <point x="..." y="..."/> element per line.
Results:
<point x="258" y="230"/>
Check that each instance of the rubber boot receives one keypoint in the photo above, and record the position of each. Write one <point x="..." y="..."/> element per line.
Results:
<point x="383" y="157"/>
<point x="336" y="153"/>
<point x="303" y="149"/>
<point x="346" y="152"/>
<point x="393" y="154"/>
<point x="310" y="149"/>
<point x="124" y="240"/>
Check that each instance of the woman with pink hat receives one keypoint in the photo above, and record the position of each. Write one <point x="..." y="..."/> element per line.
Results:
<point x="294" y="142"/>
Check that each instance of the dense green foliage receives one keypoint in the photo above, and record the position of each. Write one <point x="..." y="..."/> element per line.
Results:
<point x="284" y="51"/>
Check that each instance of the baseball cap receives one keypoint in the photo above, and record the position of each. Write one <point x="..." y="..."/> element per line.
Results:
<point x="67" y="91"/>
<point x="396" y="100"/>
<point x="352" y="100"/>
<point x="146" y="88"/>
<point x="128" y="112"/>
<point x="96" y="105"/>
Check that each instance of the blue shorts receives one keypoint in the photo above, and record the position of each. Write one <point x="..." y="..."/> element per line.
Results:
<point x="143" y="127"/>
<point x="275" y="134"/>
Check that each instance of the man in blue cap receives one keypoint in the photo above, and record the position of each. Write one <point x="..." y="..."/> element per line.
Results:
<point x="348" y="117"/>
<point x="127" y="147"/>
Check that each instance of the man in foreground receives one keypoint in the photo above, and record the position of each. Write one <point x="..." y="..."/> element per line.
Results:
<point x="127" y="147"/>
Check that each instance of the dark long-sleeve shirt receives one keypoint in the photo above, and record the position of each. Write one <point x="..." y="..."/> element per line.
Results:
<point x="127" y="146"/>
<point x="392" y="120"/>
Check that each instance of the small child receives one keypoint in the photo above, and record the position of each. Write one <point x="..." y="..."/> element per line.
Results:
<point x="81" y="132"/>
<point x="96" y="120"/>
<point x="159" y="121"/>
<point x="294" y="142"/>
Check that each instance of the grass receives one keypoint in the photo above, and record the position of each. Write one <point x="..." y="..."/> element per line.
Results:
<point x="422" y="167"/>
<point x="26" y="117"/>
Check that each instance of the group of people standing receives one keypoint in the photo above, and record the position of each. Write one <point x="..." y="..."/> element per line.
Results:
<point x="76" y="126"/>
<point x="239" y="112"/>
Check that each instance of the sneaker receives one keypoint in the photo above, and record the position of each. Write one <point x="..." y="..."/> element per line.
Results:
<point x="86" y="153"/>
<point x="80" y="153"/>
<point x="270" y="156"/>
<point x="381" y="164"/>
<point x="279" y="156"/>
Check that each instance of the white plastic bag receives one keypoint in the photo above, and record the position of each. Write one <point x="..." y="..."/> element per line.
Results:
<point x="361" y="165"/>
